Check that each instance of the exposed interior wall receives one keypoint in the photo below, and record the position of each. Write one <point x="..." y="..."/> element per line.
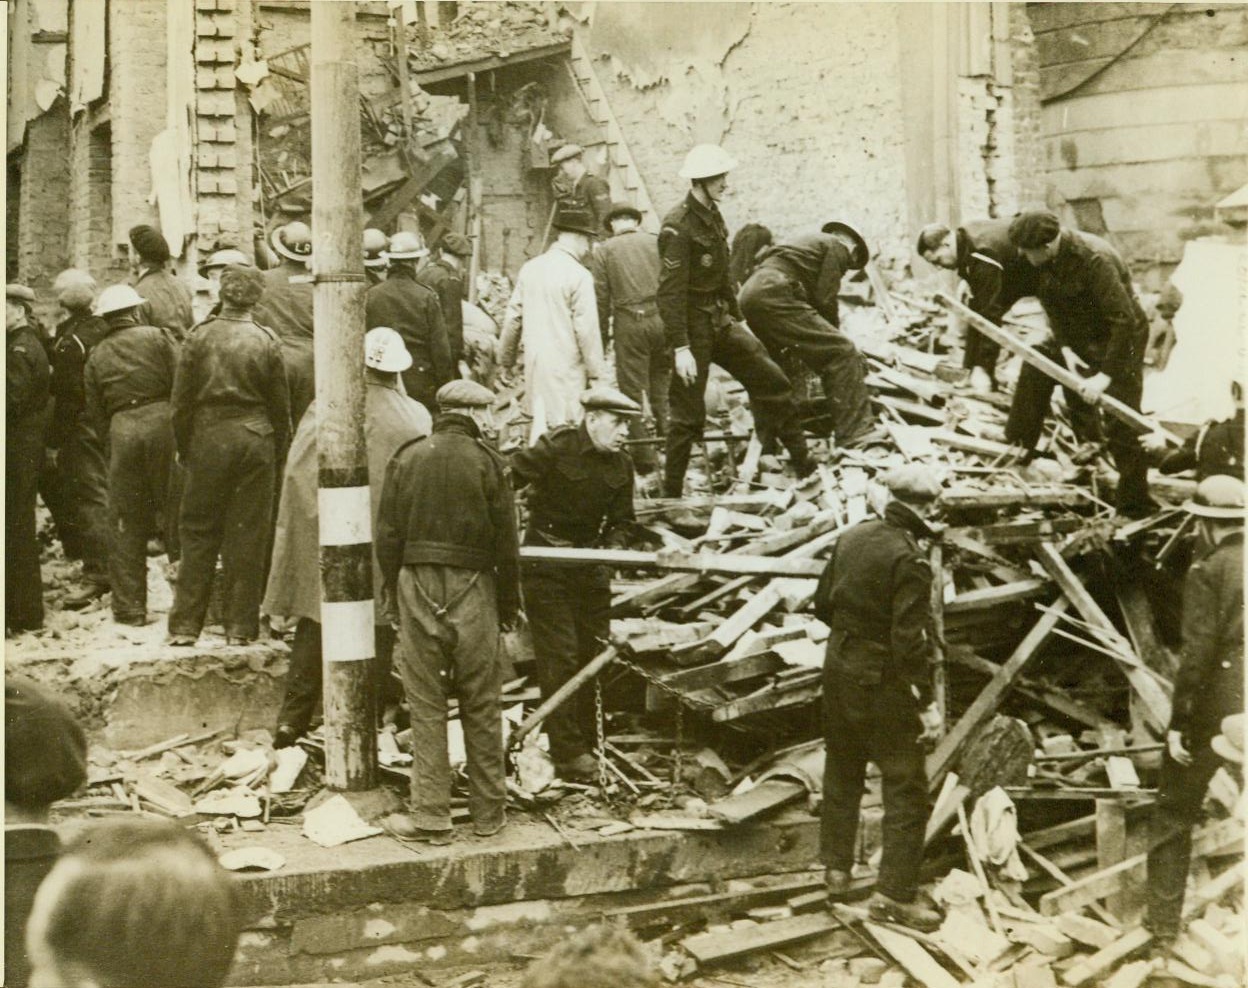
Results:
<point x="41" y="247"/>
<point x="1144" y="119"/>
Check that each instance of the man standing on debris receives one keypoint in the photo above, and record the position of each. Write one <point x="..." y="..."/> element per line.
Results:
<point x="448" y="556"/>
<point x="445" y="276"/>
<point x="552" y="311"/>
<point x="626" y="281"/>
<point x="26" y="375"/>
<point x="167" y="299"/>
<point x="575" y="188"/>
<point x="391" y="419"/>
<point x="581" y="497"/>
<point x="702" y="320"/>
<point x="1209" y="686"/>
<point x="875" y="595"/>
<point x="997" y="275"/>
<point x="1097" y="324"/>
<point x="73" y="484"/>
<point x="286" y="308"/>
<point x="231" y="420"/>
<point x="127" y="384"/>
<point x="414" y="312"/>
<point x="790" y="303"/>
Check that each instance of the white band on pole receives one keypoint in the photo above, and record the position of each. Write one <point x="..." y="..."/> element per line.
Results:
<point x="347" y="631"/>
<point x="345" y="515"/>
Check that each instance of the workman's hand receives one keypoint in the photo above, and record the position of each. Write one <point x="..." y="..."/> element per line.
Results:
<point x="1153" y="442"/>
<point x="1091" y="389"/>
<point x="686" y="366"/>
<point x="933" y="724"/>
<point x="1174" y="741"/>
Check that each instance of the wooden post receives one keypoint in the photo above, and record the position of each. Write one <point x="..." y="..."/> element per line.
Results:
<point x="940" y="672"/>
<point x="398" y="26"/>
<point x="343" y="496"/>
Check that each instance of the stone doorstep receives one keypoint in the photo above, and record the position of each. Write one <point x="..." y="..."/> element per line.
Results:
<point x="379" y="907"/>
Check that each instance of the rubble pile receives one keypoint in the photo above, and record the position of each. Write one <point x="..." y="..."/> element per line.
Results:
<point x="480" y="30"/>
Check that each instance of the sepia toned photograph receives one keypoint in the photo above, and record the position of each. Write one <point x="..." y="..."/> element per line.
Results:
<point x="610" y="494"/>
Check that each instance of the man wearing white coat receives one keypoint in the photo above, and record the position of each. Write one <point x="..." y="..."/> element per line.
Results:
<point x="553" y="313"/>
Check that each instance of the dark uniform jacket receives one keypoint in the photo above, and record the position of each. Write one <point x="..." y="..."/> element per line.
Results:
<point x="995" y="270"/>
<point x="415" y="313"/>
<point x="693" y="248"/>
<point x="446" y="500"/>
<point x="26" y="374"/>
<point x="1217" y="448"/>
<point x="590" y="193"/>
<point x="581" y="496"/>
<point x="75" y="338"/>
<point x="132" y="366"/>
<point x="815" y="263"/>
<point x="167" y="301"/>
<point x="626" y="274"/>
<point x="1087" y="295"/>
<point x="286" y="306"/>
<point x="447" y="282"/>
<point x="231" y="368"/>
<point x="1210" y="682"/>
<point x="30" y="851"/>
<point x="875" y="595"/>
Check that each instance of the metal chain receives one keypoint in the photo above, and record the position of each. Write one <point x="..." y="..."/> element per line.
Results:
<point x="678" y="756"/>
<point x="599" y="722"/>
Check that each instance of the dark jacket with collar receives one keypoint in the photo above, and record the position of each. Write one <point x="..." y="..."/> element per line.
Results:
<point x="447" y="282"/>
<point x="132" y="366"/>
<point x="694" y="283"/>
<point x="75" y="338"/>
<point x="446" y="500"/>
<point x="875" y="595"/>
<point x="1217" y="448"/>
<point x="167" y="301"/>
<point x="581" y="496"/>
<point x="995" y="270"/>
<point x="815" y="263"/>
<point x="27" y="376"/>
<point x="415" y="313"/>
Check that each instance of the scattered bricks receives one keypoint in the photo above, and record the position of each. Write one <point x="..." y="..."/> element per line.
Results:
<point x="868" y="970"/>
<point x="1089" y="932"/>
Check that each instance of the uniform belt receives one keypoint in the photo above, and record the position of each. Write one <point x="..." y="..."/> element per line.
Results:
<point x="645" y="303"/>
<point x="133" y="403"/>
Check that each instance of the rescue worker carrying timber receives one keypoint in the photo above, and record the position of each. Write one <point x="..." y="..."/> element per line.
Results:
<point x="414" y="312"/>
<point x="1209" y="687"/>
<point x="702" y="320"/>
<point x="74" y="482"/>
<point x="26" y="376"/>
<point x="231" y="420"/>
<point x="626" y="280"/>
<point x="790" y="303"/>
<point x="448" y="555"/>
<point x="996" y="274"/>
<point x="1085" y="289"/>
<point x="167" y="299"/>
<point x="445" y="275"/>
<point x="127" y="384"/>
<point x="285" y="307"/>
<point x="391" y="419"/>
<point x="575" y="188"/>
<point x="375" y="263"/>
<point x="581" y="496"/>
<point x="875" y="595"/>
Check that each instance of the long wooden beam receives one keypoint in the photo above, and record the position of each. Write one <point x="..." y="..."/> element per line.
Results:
<point x="1052" y="368"/>
<point x="686" y="562"/>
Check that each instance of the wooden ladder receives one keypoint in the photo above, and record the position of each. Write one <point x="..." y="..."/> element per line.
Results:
<point x="623" y="175"/>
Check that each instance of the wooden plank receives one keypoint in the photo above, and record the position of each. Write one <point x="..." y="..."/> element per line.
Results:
<point x="1210" y="839"/>
<point x="1006" y="593"/>
<point x="1143" y="680"/>
<point x="712" y="948"/>
<point x="918" y="962"/>
<point x="1037" y="496"/>
<point x="736" y="625"/>
<point x="971" y="444"/>
<point x="1015" y="532"/>
<point x="763" y="798"/>
<point x="1060" y="833"/>
<point x="776" y="697"/>
<point x="722" y="672"/>
<point x="1117" y="841"/>
<point x="673" y="912"/>
<point x="985" y="705"/>
<point x="1137" y="612"/>
<point x="1051" y="697"/>
<point x="686" y="562"/>
<point x="1053" y="871"/>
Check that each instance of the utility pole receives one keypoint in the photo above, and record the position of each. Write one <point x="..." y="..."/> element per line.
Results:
<point x="346" y="548"/>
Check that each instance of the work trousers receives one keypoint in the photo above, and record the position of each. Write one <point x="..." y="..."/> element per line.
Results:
<point x="23" y="585"/>
<point x="76" y="493"/>
<point x="981" y="351"/>
<point x="738" y="351"/>
<point x="1180" y="795"/>
<point x="786" y="323"/>
<point x="877" y="723"/>
<point x="305" y="676"/>
<point x="1031" y="404"/>
<point x="643" y="367"/>
<point x="227" y="506"/>
<point x="569" y="617"/>
<point x="140" y="456"/>
<point x="440" y="655"/>
<point x="297" y="357"/>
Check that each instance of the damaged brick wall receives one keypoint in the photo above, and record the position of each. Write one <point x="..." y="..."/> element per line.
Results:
<point x="42" y="242"/>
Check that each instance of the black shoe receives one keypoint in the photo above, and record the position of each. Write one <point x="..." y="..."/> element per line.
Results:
<point x="836" y="884"/>
<point x="582" y="768"/>
<point x="84" y="597"/>
<point x="133" y="620"/>
<point x="401" y="827"/>
<point x="916" y="915"/>
<point x="285" y="736"/>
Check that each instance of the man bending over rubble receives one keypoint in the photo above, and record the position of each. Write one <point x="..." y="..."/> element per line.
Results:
<point x="875" y="595"/>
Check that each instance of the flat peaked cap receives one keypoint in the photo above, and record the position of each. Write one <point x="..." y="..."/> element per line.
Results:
<point x="19" y="292"/>
<point x="464" y="394"/>
<point x="603" y="399"/>
<point x="566" y="152"/>
<point x="457" y="244"/>
<point x="1035" y="229"/>
<point x="912" y="482"/>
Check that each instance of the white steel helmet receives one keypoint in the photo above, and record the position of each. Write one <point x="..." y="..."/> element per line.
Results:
<point x="406" y="245"/>
<point x="384" y="350"/>
<point x="707" y="161"/>
<point x="116" y="298"/>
